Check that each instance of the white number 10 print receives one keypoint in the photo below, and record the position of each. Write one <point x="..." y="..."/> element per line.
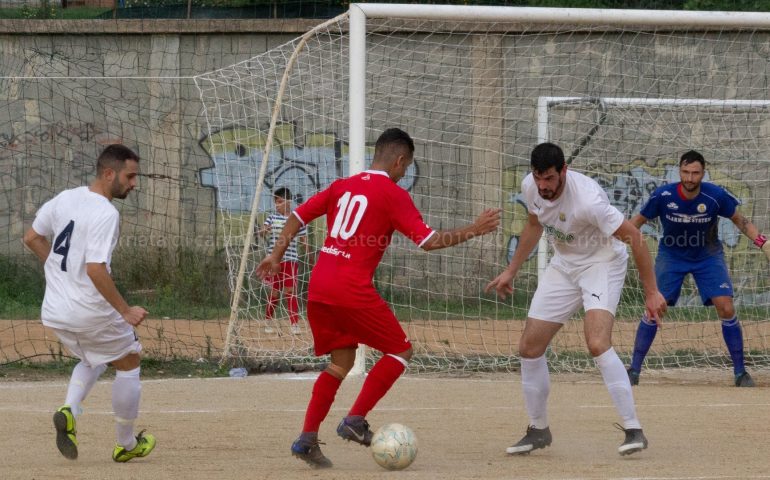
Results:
<point x="344" y="227"/>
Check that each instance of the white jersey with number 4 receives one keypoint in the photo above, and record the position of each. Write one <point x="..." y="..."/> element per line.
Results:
<point x="579" y="224"/>
<point x="83" y="227"/>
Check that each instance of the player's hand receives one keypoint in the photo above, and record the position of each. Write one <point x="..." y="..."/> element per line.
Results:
<point x="766" y="249"/>
<point x="488" y="221"/>
<point x="656" y="307"/>
<point x="502" y="284"/>
<point x="268" y="267"/>
<point x="134" y="315"/>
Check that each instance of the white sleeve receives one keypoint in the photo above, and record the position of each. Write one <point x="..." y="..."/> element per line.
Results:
<point x="43" y="223"/>
<point x="102" y="238"/>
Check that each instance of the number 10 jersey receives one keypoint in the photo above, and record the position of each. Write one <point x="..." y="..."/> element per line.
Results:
<point x="362" y="212"/>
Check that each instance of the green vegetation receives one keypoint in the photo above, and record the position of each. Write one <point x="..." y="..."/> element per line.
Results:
<point x="62" y="367"/>
<point x="22" y="286"/>
<point x="185" y="284"/>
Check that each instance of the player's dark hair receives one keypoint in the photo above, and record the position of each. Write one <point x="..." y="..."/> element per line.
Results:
<point x="691" y="157"/>
<point x="283" y="192"/>
<point x="394" y="137"/>
<point x="545" y="156"/>
<point x="114" y="157"/>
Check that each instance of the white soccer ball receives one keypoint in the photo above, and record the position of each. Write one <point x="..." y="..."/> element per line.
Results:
<point x="394" y="446"/>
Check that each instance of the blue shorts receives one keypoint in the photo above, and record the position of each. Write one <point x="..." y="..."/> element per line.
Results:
<point x="710" y="276"/>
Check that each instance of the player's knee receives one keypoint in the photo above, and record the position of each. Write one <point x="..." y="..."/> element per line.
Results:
<point x="406" y="355"/>
<point x="597" y="347"/>
<point x="726" y="311"/>
<point x="530" y="349"/>
<point x="338" y="371"/>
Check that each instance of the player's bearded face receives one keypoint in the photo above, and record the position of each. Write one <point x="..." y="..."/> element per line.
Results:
<point x="691" y="176"/>
<point x="125" y="180"/>
<point x="550" y="183"/>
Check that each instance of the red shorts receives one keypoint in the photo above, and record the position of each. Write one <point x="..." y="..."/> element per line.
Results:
<point x="286" y="278"/>
<point x="337" y="327"/>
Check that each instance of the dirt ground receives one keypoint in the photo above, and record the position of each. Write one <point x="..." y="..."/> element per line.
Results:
<point x="699" y="427"/>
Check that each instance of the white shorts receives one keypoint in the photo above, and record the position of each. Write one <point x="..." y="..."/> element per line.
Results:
<point x="561" y="292"/>
<point x="98" y="347"/>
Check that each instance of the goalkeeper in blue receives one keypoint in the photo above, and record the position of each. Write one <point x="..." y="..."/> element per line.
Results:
<point x="689" y="213"/>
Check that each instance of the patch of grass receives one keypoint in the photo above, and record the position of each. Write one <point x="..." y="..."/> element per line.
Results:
<point x="151" y="368"/>
<point x="22" y="286"/>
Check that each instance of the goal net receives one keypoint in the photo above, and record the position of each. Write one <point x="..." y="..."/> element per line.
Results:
<point x="623" y="100"/>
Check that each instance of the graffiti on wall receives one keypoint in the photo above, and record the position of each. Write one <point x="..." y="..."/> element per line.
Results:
<point x="305" y="163"/>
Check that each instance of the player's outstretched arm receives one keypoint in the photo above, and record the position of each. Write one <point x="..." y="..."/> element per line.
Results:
<point x="751" y="231"/>
<point x="503" y="283"/>
<point x="38" y="244"/>
<point x="655" y="303"/>
<point x="271" y="264"/>
<point x="103" y="282"/>
<point x="487" y="222"/>
<point x="638" y="220"/>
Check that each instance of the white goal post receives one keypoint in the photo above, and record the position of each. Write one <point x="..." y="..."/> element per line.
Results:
<point x="477" y="87"/>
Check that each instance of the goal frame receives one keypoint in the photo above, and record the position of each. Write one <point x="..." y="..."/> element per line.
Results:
<point x="360" y="12"/>
<point x="358" y="15"/>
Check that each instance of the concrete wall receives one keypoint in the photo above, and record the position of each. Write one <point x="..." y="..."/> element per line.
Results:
<point x="474" y="116"/>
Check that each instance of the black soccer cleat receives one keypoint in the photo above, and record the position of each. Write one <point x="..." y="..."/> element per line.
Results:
<point x="534" y="439"/>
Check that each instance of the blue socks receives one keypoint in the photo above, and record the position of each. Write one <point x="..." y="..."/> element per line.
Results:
<point x="731" y="331"/>
<point x="645" y="335"/>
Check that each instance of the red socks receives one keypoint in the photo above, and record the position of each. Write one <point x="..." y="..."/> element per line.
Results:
<point x="324" y="391"/>
<point x="383" y="375"/>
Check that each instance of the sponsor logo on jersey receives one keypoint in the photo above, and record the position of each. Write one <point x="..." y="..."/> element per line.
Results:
<point x="673" y="206"/>
<point x="685" y="218"/>
<point x="724" y="285"/>
<point x="701" y="207"/>
<point x="665" y="194"/>
<point x="336" y="252"/>
<point x="366" y="177"/>
<point x="554" y="232"/>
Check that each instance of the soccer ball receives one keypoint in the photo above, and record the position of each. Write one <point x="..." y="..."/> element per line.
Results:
<point x="394" y="446"/>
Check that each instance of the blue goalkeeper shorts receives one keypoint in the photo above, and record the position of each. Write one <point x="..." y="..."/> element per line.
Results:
<point x="710" y="276"/>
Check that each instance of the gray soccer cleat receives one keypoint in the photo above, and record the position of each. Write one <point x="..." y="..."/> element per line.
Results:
<point x="355" y="429"/>
<point x="744" y="380"/>
<point x="635" y="441"/>
<point x="534" y="439"/>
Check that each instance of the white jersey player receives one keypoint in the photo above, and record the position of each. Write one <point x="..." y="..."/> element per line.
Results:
<point x="588" y="270"/>
<point x="74" y="234"/>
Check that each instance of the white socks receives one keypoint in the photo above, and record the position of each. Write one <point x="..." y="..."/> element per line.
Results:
<point x="126" y="391"/>
<point x="616" y="380"/>
<point x="81" y="382"/>
<point x="536" y="385"/>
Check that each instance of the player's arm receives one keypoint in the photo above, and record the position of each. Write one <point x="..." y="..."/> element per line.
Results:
<point x="638" y="220"/>
<point x="486" y="222"/>
<point x="503" y="283"/>
<point x="270" y="265"/>
<point x="751" y="231"/>
<point x="655" y="304"/>
<point x="38" y="244"/>
<point x="103" y="282"/>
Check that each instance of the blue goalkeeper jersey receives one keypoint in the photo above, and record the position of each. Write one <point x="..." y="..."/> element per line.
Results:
<point x="690" y="227"/>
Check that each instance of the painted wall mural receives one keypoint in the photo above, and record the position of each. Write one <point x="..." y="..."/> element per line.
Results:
<point x="305" y="163"/>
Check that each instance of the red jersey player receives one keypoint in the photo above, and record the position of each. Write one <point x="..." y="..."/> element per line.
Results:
<point x="344" y="309"/>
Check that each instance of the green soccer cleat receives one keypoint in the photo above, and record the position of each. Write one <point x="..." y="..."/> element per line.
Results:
<point x="144" y="445"/>
<point x="66" y="441"/>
